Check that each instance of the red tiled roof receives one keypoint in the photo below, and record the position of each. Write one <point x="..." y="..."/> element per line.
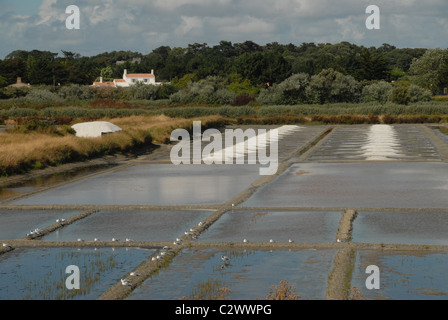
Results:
<point x="140" y="75"/>
<point x="119" y="80"/>
<point x="103" y="84"/>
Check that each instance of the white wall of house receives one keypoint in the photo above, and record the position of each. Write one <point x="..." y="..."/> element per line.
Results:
<point x="144" y="78"/>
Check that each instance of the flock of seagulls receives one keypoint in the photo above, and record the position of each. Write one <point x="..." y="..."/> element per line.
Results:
<point x="36" y="231"/>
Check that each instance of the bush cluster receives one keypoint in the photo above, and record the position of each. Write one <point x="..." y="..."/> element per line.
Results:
<point x="205" y="91"/>
<point x="330" y="86"/>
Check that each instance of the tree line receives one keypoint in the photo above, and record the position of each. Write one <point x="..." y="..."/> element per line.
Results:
<point x="259" y="64"/>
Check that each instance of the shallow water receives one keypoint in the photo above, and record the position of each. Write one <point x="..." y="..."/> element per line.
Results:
<point x="377" y="142"/>
<point x="249" y="275"/>
<point x="137" y="225"/>
<point x="40" y="273"/>
<point x="401" y="227"/>
<point x="261" y="226"/>
<point x="154" y="185"/>
<point x="441" y="134"/>
<point x="37" y="183"/>
<point x="403" y="275"/>
<point x="357" y="185"/>
<point x="16" y="224"/>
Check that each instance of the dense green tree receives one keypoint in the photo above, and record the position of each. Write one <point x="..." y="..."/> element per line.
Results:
<point x="372" y="66"/>
<point x="431" y="70"/>
<point x="257" y="64"/>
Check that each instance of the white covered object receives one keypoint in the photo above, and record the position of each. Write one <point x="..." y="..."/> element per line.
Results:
<point x="94" y="129"/>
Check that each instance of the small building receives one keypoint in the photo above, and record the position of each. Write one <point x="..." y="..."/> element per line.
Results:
<point x="101" y="84"/>
<point x="94" y="129"/>
<point x="134" y="78"/>
<point x="19" y="84"/>
<point x="129" y="79"/>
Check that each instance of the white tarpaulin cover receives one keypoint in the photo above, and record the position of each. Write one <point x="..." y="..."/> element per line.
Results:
<point x="94" y="129"/>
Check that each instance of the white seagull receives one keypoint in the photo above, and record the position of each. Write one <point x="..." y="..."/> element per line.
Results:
<point x="225" y="258"/>
<point x="271" y="241"/>
<point x="134" y="274"/>
<point x="245" y="241"/>
<point x="290" y="241"/>
<point x="7" y="245"/>
<point x="125" y="282"/>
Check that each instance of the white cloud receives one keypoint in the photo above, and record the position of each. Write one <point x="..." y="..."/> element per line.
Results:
<point x="188" y="25"/>
<point x="142" y="25"/>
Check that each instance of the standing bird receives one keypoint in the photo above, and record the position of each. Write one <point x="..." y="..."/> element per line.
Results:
<point x="125" y="282"/>
<point x="225" y="258"/>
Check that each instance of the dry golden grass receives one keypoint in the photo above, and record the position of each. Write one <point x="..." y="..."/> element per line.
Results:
<point x="20" y="152"/>
<point x="355" y="294"/>
<point x="283" y="291"/>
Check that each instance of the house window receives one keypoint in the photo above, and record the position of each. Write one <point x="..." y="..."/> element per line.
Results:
<point x="146" y="80"/>
<point x="133" y="80"/>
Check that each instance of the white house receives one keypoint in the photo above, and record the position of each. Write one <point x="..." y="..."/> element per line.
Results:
<point x="133" y="78"/>
<point x="129" y="79"/>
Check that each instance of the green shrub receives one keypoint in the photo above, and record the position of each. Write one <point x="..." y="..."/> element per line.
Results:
<point x="15" y="92"/>
<point x="377" y="92"/>
<point x="330" y="86"/>
<point x="144" y="91"/>
<point x="42" y="96"/>
<point x="209" y="91"/>
<point x="418" y="94"/>
<point x="400" y="95"/>
<point x="76" y="92"/>
<point x="19" y="112"/>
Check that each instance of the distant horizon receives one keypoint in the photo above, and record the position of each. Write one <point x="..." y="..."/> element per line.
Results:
<point x="140" y="26"/>
<point x="210" y="46"/>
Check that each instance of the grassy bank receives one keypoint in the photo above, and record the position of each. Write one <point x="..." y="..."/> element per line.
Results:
<point x="21" y="152"/>
<point x="113" y="110"/>
<point x="23" y="149"/>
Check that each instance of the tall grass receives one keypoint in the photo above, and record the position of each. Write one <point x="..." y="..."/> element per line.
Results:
<point x="21" y="152"/>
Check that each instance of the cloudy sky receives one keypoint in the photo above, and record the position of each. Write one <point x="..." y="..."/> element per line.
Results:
<point x="143" y="25"/>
